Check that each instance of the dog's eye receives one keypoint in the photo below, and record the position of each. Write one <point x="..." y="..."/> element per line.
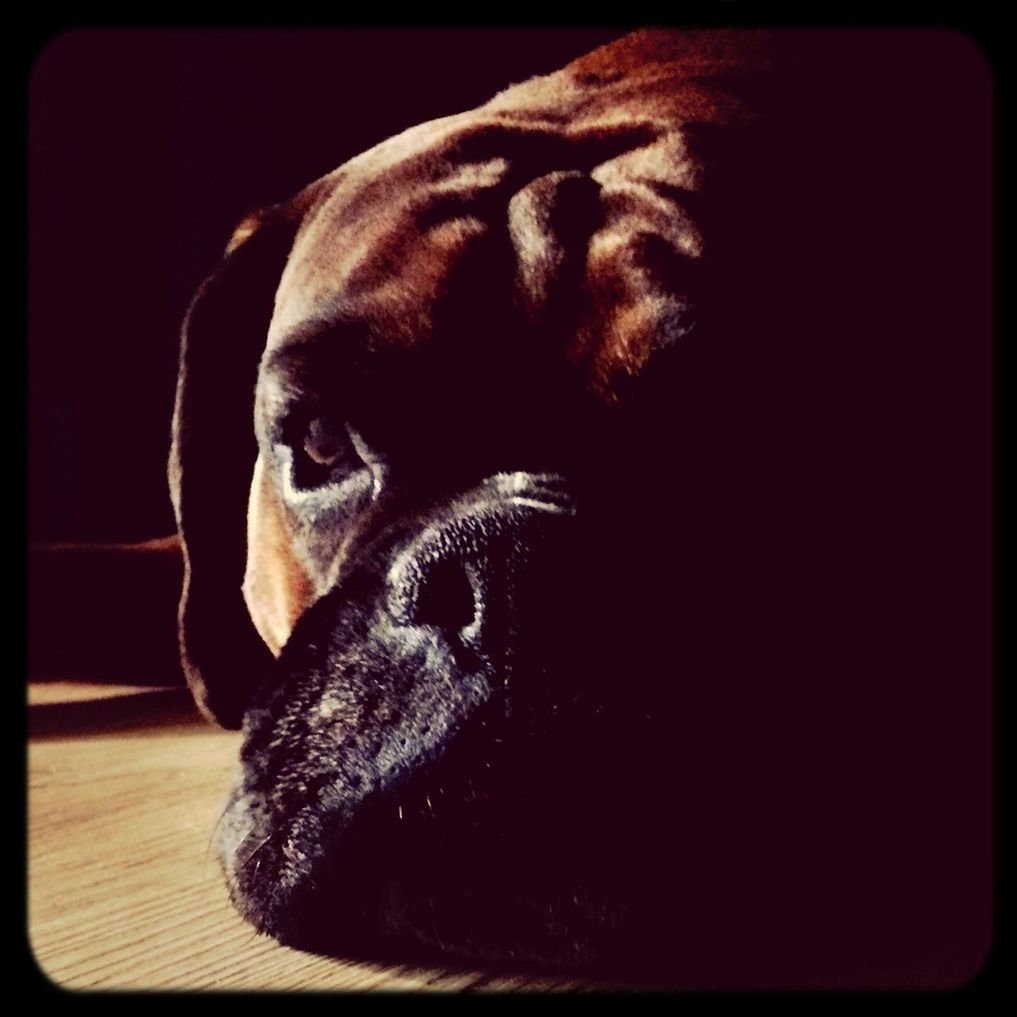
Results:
<point x="321" y="451"/>
<point x="325" y="441"/>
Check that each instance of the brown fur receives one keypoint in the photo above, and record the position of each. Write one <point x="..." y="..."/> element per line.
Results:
<point x="608" y="143"/>
<point x="664" y="729"/>
<point x="387" y="231"/>
<point x="277" y="589"/>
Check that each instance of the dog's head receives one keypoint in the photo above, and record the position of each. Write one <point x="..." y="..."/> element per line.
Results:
<point x="507" y="565"/>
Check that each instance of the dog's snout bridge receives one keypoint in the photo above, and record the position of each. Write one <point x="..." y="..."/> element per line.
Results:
<point x="452" y="571"/>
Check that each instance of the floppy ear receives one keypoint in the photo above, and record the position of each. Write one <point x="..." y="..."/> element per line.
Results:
<point x="212" y="460"/>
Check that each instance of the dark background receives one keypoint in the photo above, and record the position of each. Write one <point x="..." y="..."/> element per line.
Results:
<point x="146" y="148"/>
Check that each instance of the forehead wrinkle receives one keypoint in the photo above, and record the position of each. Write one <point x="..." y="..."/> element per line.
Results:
<point x="365" y="249"/>
<point x="387" y="299"/>
<point x="314" y="338"/>
<point x="373" y="179"/>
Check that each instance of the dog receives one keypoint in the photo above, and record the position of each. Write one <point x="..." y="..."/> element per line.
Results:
<point x="528" y="530"/>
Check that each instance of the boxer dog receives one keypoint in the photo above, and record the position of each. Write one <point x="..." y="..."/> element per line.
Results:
<point x="529" y="518"/>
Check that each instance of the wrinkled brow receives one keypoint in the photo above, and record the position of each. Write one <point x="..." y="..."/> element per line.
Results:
<point x="314" y="354"/>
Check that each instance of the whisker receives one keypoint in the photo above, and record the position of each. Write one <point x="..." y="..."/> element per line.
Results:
<point x="213" y="834"/>
<point x="246" y="859"/>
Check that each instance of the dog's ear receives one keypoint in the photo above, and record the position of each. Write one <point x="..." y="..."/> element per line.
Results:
<point x="212" y="459"/>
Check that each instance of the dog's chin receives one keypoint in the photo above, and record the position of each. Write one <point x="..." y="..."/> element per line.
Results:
<point x="393" y="881"/>
<point x="452" y="861"/>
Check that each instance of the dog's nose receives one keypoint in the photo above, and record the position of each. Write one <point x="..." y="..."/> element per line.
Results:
<point x="464" y="572"/>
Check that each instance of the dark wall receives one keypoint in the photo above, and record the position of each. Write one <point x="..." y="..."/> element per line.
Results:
<point x="145" y="149"/>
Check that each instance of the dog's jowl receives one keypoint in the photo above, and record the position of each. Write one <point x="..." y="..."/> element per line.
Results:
<point x="532" y="584"/>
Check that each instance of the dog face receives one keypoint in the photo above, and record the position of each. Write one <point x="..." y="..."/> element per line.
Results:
<point x="511" y="554"/>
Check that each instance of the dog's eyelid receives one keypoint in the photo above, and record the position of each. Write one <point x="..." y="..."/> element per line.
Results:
<point x="367" y="453"/>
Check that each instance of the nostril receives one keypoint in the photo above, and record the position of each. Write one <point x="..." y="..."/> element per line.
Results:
<point x="446" y="598"/>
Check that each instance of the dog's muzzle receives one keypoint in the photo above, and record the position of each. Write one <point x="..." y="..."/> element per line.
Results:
<point x="418" y="701"/>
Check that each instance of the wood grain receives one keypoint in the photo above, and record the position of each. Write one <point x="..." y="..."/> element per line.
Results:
<point x="124" y="892"/>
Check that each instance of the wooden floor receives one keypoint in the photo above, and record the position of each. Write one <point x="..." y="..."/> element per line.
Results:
<point x="124" y="892"/>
